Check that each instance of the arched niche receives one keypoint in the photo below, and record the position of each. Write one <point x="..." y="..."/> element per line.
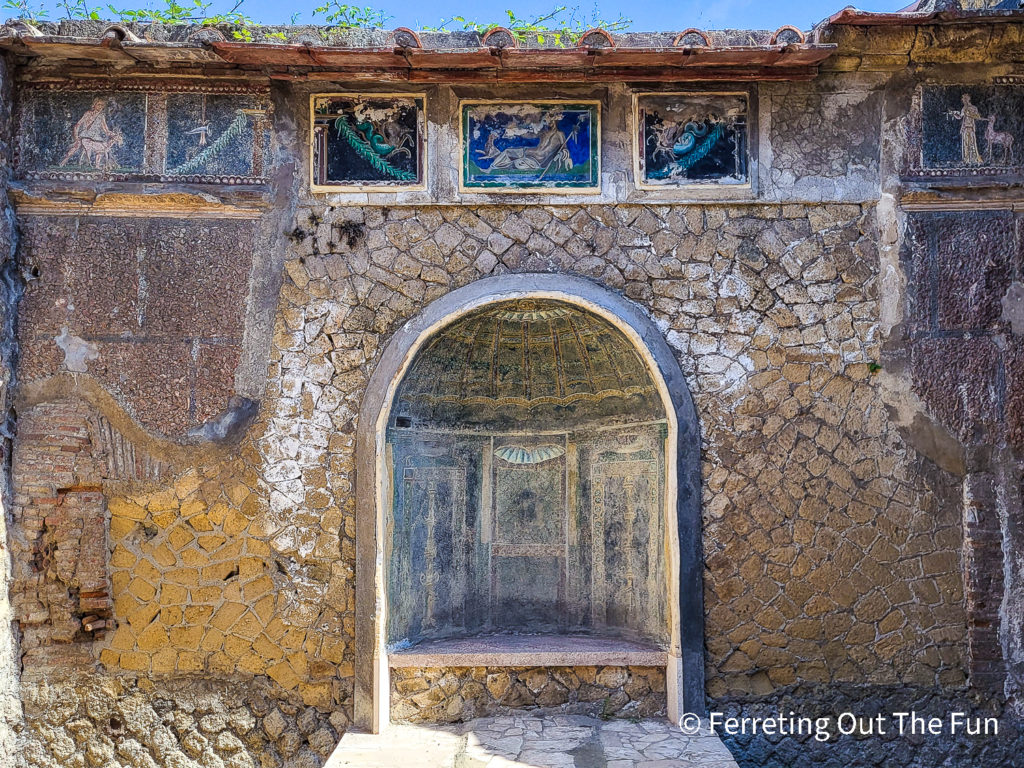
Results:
<point x="527" y="463"/>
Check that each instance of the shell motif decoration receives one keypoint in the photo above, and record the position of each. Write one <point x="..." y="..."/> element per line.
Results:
<point x="520" y="454"/>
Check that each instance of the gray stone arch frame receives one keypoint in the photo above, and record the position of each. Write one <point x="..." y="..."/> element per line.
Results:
<point x="685" y="670"/>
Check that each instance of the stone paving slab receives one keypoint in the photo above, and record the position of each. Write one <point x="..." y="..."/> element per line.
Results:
<point x="533" y="741"/>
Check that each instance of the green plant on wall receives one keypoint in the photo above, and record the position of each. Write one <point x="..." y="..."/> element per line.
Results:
<point x="350" y="16"/>
<point x="561" y="26"/>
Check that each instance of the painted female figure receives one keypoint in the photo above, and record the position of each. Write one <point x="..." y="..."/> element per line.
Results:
<point x="968" y="115"/>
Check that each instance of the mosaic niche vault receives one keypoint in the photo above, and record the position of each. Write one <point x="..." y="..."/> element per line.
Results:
<point x="527" y="446"/>
<point x="219" y="135"/>
<point x="368" y="142"/>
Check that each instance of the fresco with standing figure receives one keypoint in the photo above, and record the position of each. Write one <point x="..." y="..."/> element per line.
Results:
<point x="218" y="135"/>
<point x="971" y="130"/>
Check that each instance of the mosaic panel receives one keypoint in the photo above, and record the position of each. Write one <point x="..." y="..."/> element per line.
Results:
<point x="547" y="146"/>
<point x="691" y="138"/>
<point x="218" y="135"/>
<point x="365" y="142"/>
<point x="975" y="130"/>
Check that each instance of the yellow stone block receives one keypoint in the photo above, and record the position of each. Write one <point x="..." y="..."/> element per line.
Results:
<point x="249" y="626"/>
<point x="124" y="604"/>
<point x="212" y="640"/>
<point x="218" y="513"/>
<point x="191" y="661"/>
<point x="193" y="508"/>
<point x="221" y="663"/>
<point x="187" y="576"/>
<point x="236" y="647"/>
<point x="123" y="639"/>
<point x="119" y="581"/>
<point x="219" y="571"/>
<point x="109" y="658"/>
<point x="257" y="587"/>
<point x="266" y="648"/>
<point x="233" y="592"/>
<point x="227" y="615"/>
<point x="198" y="614"/>
<point x="299" y="663"/>
<point x="152" y="637"/>
<point x="170" y="615"/>
<point x="193" y="557"/>
<point x="142" y="615"/>
<point x="231" y="551"/>
<point x="212" y="542"/>
<point x="187" y="484"/>
<point x="162" y="501"/>
<point x="251" y="507"/>
<point x="172" y="594"/>
<point x="316" y="694"/>
<point x="119" y="507"/>
<point x="250" y="567"/>
<point x="293" y="639"/>
<point x="136" y="662"/>
<point x="164" y="556"/>
<point x="275" y="629"/>
<point x="146" y="570"/>
<point x="234" y="522"/>
<point x="258" y="548"/>
<point x="283" y="674"/>
<point x="264" y="608"/>
<point x="166" y="518"/>
<point x="122" y="558"/>
<point x="236" y="492"/>
<point x="333" y="649"/>
<point x="186" y="637"/>
<point x="207" y="594"/>
<point x="121" y="527"/>
<point x="180" y="537"/>
<point x="253" y="664"/>
<point x="201" y="522"/>
<point x="142" y="589"/>
<point x="164" y="661"/>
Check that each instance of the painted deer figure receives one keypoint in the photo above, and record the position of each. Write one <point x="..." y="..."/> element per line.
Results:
<point x="1002" y="138"/>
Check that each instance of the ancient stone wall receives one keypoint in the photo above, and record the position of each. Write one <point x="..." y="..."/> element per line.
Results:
<point x="455" y="694"/>
<point x="855" y="368"/>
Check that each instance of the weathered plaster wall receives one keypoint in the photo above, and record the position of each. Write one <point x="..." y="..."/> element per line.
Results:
<point x="10" y="292"/>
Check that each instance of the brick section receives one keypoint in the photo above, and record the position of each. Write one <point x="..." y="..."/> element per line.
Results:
<point x="61" y="594"/>
<point x="983" y="577"/>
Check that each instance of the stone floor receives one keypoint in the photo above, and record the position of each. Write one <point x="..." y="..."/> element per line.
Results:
<point x="533" y="741"/>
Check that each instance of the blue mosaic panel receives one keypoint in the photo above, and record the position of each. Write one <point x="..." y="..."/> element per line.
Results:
<point x="530" y="146"/>
<point x="692" y="138"/>
<point x="368" y="141"/>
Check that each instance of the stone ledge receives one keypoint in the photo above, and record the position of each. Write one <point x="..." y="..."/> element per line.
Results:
<point x="529" y="651"/>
